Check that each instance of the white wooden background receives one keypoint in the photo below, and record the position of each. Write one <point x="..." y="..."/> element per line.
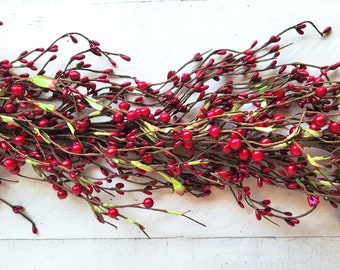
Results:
<point x="159" y="36"/>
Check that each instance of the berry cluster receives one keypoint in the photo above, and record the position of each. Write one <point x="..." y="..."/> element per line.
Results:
<point x="224" y="119"/>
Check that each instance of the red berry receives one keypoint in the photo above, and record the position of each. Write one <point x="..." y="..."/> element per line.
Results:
<point x="142" y="85"/>
<point x="334" y="127"/>
<point x="132" y="116"/>
<point x="76" y="189"/>
<point x="62" y="194"/>
<point x="186" y="135"/>
<point x="215" y="131"/>
<point x="148" y="203"/>
<point x="66" y="163"/>
<point x="264" y="141"/>
<point x="113" y="212"/>
<point x="77" y="148"/>
<point x="74" y="75"/>
<point x="277" y="117"/>
<point x="111" y="151"/>
<point x="164" y="117"/>
<point x="244" y="154"/>
<point x="124" y="105"/>
<point x="19" y="140"/>
<point x="147" y="158"/>
<point x="321" y="91"/>
<point x="18" y="90"/>
<point x="15" y="171"/>
<point x="225" y="148"/>
<point x="295" y="149"/>
<point x="257" y="155"/>
<point x="145" y="111"/>
<point x="9" y="164"/>
<point x="235" y="143"/>
<point x="118" y="117"/>
<point x="291" y="169"/>
<point x="320" y="120"/>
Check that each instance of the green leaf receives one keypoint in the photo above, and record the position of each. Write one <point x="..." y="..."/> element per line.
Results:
<point x="43" y="81"/>
<point x="9" y="120"/>
<point x="94" y="103"/>
<point x="70" y="126"/>
<point x="265" y="129"/>
<point x="311" y="133"/>
<point x="45" y="107"/>
<point x="174" y="212"/>
<point x="177" y="185"/>
<point x="94" y="114"/>
<point x="142" y="166"/>
<point x="101" y="133"/>
<point x="313" y="162"/>
<point x="236" y="107"/>
<point x="86" y="181"/>
<point x="198" y="162"/>
<point x="36" y="170"/>
<point x="326" y="183"/>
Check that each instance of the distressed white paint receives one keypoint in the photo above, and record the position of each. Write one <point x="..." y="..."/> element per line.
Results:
<point x="161" y="35"/>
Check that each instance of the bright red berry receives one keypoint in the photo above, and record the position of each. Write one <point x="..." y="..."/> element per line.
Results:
<point x="74" y="75"/>
<point x="77" y="148"/>
<point x="148" y="203"/>
<point x="320" y="120"/>
<point x="19" y="140"/>
<point x="132" y="116"/>
<point x="123" y="105"/>
<point x="235" y="143"/>
<point x="257" y="155"/>
<point x="321" y="91"/>
<point x="334" y="127"/>
<point x="291" y="169"/>
<point x="244" y="154"/>
<point x="264" y="141"/>
<point x="76" y="189"/>
<point x="215" y="131"/>
<point x="142" y="85"/>
<point x="111" y="151"/>
<point x="186" y="135"/>
<point x="295" y="149"/>
<point x="113" y="212"/>
<point x="9" y="164"/>
<point x="164" y="117"/>
<point x="18" y="90"/>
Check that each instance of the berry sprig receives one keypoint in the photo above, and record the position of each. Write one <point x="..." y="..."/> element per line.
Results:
<point x="224" y="119"/>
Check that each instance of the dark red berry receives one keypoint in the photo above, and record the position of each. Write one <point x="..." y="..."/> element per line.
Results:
<point x="74" y="75"/>
<point x="132" y="116"/>
<point x="62" y="194"/>
<point x="244" y="154"/>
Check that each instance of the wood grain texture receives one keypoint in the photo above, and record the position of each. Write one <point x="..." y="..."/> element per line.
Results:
<point x="161" y="35"/>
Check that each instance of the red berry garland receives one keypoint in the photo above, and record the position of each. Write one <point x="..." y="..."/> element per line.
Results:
<point x="183" y="134"/>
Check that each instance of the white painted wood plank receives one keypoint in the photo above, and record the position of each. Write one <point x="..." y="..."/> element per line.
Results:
<point x="168" y="254"/>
